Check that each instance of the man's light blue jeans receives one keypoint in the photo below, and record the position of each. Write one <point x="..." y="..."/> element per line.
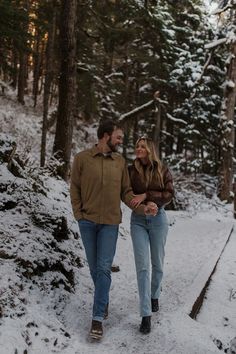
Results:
<point x="99" y="241"/>
<point x="149" y="237"/>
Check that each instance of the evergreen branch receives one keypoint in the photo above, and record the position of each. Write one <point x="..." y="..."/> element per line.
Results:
<point x="203" y="72"/>
<point x="216" y="43"/>
<point x="220" y="11"/>
<point x="97" y="38"/>
<point x="106" y="25"/>
<point x="146" y="106"/>
<point x="99" y="18"/>
<point x="177" y="120"/>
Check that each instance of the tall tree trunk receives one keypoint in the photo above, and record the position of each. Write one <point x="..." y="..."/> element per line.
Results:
<point x="53" y="96"/>
<point x="126" y="99"/>
<point x="180" y="144"/>
<point x="49" y="72"/>
<point x="135" y="130"/>
<point x="14" y="68"/>
<point x="23" y="58"/>
<point x="169" y="138"/>
<point x="67" y="83"/>
<point x="37" y="63"/>
<point x="228" y="131"/>
<point x="21" y="77"/>
<point x="157" y="129"/>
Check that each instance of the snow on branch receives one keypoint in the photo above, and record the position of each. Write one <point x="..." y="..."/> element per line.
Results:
<point x="203" y="72"/>
<point x="177" y="120"/>
<point x="219" y="11"/>
<point x="136" y="110"/>
<point x="215" y="43"/>
<point x="227" y="5"/>
<point x="144" y="107"/>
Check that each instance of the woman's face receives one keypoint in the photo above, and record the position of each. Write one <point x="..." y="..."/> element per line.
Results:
<point x="140" y="150"/>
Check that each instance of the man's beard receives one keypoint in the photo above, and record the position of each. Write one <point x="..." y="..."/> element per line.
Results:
<point x="113" y="147"/>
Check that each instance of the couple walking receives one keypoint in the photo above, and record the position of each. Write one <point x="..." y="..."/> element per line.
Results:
<point x="100" y="179"/>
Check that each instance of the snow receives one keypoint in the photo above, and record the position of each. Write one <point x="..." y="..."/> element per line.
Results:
<point x="169" y="116"/>
<point x="210" y="316"/>
<point x="229" y="83"/>
<point x="135" y="110"/>
<point x="145" y="88"/>
<point x="192" y="240"/>
<point x="215" y="43"/>
<point x="37" y="316"/>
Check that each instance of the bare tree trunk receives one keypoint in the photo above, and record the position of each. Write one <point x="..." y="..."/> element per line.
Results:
<point x="14" y="68"/>
<point x="21" y="78"/>
<point x="228" y="131"/>
<point x="180" y="144"/>
<point x="53" y="96"/>
<point x="126" y="99"/>
<point x="67" y="86"/>
<point x="157" y="129"/>
<point x="49" y="72"/>
<point x="23" y="61"/>
<point x="36" y="70"/>
<point x="135" y="130"/>
<point x="169" y="141"/>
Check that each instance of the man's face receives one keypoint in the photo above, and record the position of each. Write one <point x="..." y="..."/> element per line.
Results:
<point x="115" y="139"/>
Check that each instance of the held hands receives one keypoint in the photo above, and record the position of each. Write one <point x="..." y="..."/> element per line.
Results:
<point x="151" y="209"/>
<point x="137" y="200"/>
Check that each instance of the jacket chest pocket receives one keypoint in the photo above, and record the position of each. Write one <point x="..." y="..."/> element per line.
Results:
<point x="114" y="173"/>
<point x="92" y="172"/>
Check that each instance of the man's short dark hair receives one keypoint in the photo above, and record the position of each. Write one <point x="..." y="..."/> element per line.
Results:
<point x="107" y="126"/>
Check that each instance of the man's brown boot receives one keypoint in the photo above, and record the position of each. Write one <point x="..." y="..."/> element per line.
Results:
<point x="96" y="330"/>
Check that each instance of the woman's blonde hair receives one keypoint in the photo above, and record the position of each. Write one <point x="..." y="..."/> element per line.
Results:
<point x="155" y="170"/>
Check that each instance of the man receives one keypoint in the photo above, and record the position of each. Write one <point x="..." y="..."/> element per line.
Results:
<point x="99" y="181"/>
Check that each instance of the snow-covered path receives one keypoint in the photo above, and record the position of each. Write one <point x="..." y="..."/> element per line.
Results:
<point x="52" y="320"/>
<point x="193" y="247"/>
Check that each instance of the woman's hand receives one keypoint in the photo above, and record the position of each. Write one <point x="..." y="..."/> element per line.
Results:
<point x="138" y="199"/>
<point x="151" y="209"/>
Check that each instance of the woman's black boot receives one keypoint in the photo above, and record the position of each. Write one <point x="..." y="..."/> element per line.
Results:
<point x="145" y="326"/>
<point x="155" y="305"/>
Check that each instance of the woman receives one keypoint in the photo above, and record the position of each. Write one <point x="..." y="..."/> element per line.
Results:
<point x="151" y="182"/>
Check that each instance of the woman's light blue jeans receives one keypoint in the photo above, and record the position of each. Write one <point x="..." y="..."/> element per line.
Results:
<point x="99" y="242"/>
<point x="149" y="237"/>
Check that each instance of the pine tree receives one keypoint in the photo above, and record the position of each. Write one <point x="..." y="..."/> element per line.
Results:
<point x="199" y="96"/>
<point x="67" y="82"/>
<point x="227" y="114"/>
<point x="14" y="47"/>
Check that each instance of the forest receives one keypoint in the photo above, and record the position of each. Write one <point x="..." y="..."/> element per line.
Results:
<point x="163" y="68"/>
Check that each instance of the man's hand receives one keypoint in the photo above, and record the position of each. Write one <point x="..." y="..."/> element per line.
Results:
<point x="137" y="200"/>
<point x="151" y="209"/>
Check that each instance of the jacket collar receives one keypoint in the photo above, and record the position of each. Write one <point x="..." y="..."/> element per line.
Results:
<point x="96" y="152"/>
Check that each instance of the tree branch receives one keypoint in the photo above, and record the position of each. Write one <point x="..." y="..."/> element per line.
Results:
<point x="145" y="107"/>
<point x="203" y="71"/>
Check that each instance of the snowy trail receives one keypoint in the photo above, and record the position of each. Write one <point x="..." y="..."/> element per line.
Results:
<point x="193" y="245"/>
<point x="217" y="311"/>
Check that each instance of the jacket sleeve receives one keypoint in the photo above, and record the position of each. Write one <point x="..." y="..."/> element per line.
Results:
<point x="127" y="193"/>
<point x="75" y="190"/>
<point x="164" y="196"/>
